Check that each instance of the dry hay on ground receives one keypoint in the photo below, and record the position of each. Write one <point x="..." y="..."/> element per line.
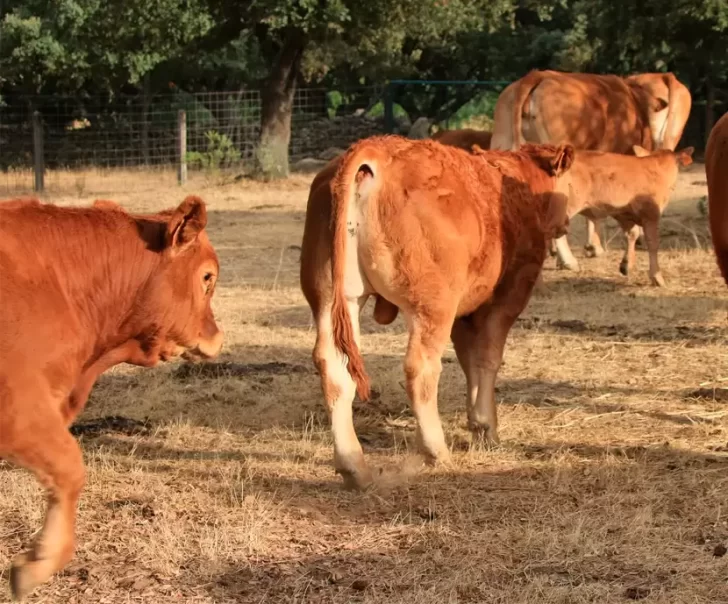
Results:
<point x="216" y="485"/>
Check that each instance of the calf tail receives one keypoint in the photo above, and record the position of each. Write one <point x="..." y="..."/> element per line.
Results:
<point x="356" y="172"/>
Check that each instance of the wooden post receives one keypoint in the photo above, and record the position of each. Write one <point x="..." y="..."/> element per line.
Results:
<point x="181" y="147"/>
<point x="709" y="109"/>
<point x="38" y="160"/>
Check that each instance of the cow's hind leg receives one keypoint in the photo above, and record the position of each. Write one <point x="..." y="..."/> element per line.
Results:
<point x="631" y="232"/>
<point x="429" y="333"/>
<point x="492" y="323"/>
<point x="464" y="341"/>
<point x="339" y="390"/>
<point x="652" y="240"/>
<point x="593" y="247"/>
<point x="41" y="443"/>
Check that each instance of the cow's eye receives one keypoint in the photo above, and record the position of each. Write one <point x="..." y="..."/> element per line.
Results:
<point x="208" y="277"/>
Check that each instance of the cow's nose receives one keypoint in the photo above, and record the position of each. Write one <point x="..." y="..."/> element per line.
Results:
<point x="210" y="347"/>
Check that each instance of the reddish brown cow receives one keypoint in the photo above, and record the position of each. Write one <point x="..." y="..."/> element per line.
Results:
<point x="456" y="240"/>
<point x="592" y="112"/>
<point x="716" y="171"/>
<point x="82" y="290"/>
<point x="464" y="138"/>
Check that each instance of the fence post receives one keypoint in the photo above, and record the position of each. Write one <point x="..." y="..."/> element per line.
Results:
<point x="182" y="147"/>
<point x="389" y="108"/>
<point x="38" y="159"/>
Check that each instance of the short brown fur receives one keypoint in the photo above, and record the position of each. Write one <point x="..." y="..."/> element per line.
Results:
<point x="447" y="237"/>
<point x="82" y="290"/>
<point x="632" y="189"/>
<point x="716" y="171"/>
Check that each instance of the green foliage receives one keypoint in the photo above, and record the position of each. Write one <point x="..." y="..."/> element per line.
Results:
<point x="220" y="153"/>
<point x="66" y="44"/>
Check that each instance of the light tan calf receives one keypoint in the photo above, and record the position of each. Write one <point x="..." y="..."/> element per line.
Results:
<point x="633" y="189"/>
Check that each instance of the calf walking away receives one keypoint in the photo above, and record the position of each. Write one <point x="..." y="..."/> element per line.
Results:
<point x="82" y="290"/>
<point x="455" y="240"/>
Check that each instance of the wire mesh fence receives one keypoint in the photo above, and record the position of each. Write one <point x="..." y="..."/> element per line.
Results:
<point x="101" y="134"/>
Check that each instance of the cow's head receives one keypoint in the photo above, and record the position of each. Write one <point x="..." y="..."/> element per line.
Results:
<point x="683" y="158"/>
<point x="178" y="296"/>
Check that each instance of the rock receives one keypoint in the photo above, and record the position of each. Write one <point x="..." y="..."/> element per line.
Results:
<point x="420" y="129"/>
<point x="330" y="153"/>
<point x="308" y="165"/>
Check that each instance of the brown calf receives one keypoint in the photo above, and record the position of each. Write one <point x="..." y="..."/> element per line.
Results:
<point x="456" y="240"/>
<point x="716" y="171"/>
<point x="82" y="290"/>
<point x="633" y="189"/>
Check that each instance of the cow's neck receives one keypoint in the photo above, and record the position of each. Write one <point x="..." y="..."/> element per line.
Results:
<point x="103" y="276"/>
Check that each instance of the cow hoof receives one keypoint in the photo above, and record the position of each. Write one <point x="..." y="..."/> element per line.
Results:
<point x="624" y="268"/>
<point x="483" y="433"/>
<point x="572" y="265"/>
<point x="436" y="458"/>
<point x="591" y="251"/>
<point x="356" y="481"/>
<point x="657" y="280"/>
<point x="26" y="574"/>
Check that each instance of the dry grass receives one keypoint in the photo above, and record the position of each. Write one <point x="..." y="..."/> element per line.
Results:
<point x="610" y="484"/>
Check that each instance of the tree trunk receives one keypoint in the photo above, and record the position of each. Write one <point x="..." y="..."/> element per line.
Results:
<point x="709" y="108"/>
<point x="277" y="107"/>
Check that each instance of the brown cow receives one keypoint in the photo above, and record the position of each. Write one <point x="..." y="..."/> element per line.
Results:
<point x="82" y="290"/>
<point x="464" y="138"/>
<point x="456" y="240"/>
<point x="716" y="171"/>
<point x="633" y="189"/>
<point x="592" y="112"/>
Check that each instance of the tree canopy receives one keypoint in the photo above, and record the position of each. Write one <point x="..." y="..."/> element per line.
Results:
<point x="107" y="47"/>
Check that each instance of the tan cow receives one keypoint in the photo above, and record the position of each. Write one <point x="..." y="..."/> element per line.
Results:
<point x="464" y="138"/>
<point x="716" y="171"/>
<point x="632" y="189"/>
<point x="455" y="240"/>
<point x="592" y="112"/>
<point x="82" y="290"/>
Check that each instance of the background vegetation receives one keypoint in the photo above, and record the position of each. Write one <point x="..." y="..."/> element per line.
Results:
<point x="93" y="49"/>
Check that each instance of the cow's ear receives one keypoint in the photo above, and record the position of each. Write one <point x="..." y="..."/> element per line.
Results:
<point x="657" y="104"/>
<point x="186" y="223"/>
<point x="562" y="159"/>
<point x="640" y="151"/>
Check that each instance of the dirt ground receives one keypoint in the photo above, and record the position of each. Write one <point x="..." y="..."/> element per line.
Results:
<point x="217" y="485"/>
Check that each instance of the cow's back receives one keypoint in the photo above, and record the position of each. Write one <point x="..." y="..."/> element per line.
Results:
<point x="588" y="111"/>
<point x="585" y="110"/>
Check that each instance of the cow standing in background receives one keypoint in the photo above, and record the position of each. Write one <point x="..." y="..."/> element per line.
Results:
<point x="455" y="240"/>
<point x="592" y="112"/>
<point x="82" y="290"/>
